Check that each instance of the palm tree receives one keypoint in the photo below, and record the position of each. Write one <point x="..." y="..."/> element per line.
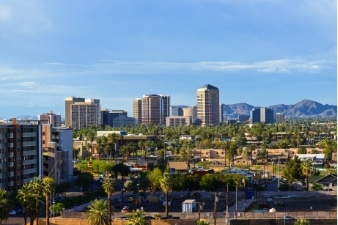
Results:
<point x="306" y="170"/>
<point x="166" y="183"/>
<point x="137" y="218"/>
<point x="4" y="205"/>
<point x="108" y="186"/>
<point x="302" y="221"/>
<point x="47" y="190"/>
<point x="30" y="197"/>
<point x="98" y="213"/>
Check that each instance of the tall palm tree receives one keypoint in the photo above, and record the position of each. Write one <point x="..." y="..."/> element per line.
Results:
<point x="306" y="170"/>
<point x="166" y="183"/>
<point x="98" y="213"/>
<point x="4" y="205"/>
<point x="47" y="190"/>
<point x="108" y="186"/>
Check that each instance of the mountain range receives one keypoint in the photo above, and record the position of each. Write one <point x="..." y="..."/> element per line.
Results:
<point x="304" y="108"/>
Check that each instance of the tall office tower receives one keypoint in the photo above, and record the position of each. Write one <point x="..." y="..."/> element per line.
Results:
<point x="151" y="109"/>
<point x="221" y="112"/>
<point x="50" y="118"/>
<point x="68" y="109"/>
<point x="137" y="110"/>
<point x="208" y="105"/>
<point x="262" y="115"/>
<point x="164" y="108"/>
<point x="57" y="143"/>
<point x="280" y="118"/>
<point x="85" y="114"/>
<point x="20" y="154"/>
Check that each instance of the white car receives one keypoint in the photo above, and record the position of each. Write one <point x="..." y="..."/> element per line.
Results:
<point x="12" y="212"/>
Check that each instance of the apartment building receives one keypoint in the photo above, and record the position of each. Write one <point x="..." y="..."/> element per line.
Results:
<point x="50" y="118"/>
<point x="208" y="105"/>
<point x="57" y="143"/>
<point x="20" y="154"/>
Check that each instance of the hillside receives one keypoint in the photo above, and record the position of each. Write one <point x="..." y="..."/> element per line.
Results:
<point x="304" y="108"/>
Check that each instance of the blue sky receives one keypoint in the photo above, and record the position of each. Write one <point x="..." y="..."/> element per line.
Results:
<point x="261" y="52"/>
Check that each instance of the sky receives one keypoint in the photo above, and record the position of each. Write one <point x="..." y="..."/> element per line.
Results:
<point x="260" y="52"/>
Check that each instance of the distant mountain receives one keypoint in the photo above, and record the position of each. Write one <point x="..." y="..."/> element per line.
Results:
<point x="304" y="108"/>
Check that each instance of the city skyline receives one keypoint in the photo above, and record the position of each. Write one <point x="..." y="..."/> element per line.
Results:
<point x="262" y="53"/>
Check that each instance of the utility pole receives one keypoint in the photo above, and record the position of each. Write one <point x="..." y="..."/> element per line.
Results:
<point x="215" y="206"/>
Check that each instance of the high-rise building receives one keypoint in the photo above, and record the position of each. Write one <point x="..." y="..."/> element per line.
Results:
<point x="68" y="109"/>
<point x="208" y="105"/>
<point x="154" y="109"/>
<point x="262" y="115"/>
<point x="50" y="118"/>
<point x="81" y="113"/>
<point x="20" y="154"/>
<point x="177" y="110"/>
<point x="221" y="113"/>
<point x="192" y="112"/>
<point x="137" y="110"/>
<point x="151" y="109"/>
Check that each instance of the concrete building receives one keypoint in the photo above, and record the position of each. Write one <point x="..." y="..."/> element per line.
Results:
<point x="50" y="118"/>
<point x="208" y="105"/>
<point x="20" y="154"/>
<point x="57" y="144"/>
<point x="221" y="112"/>
<point x="173" y="121"/>
<point x="262" y="115"/>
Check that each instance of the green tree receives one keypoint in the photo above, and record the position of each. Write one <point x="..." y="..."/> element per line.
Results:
<point x="47" y="190"/>
<point x="136" y="217"/>
<point x="166" y="184"/>
<point x="154" y="176"/>
<point x="4" y="205"/>
<point x="202" y="222"/>
<point x="30" y="196"/>
<point x="293" y="170"/>
<point x="302" y="221"/>
<point x="306" y="170"/>
<point x="98" y="213"/>
<point x="108" y="186"/>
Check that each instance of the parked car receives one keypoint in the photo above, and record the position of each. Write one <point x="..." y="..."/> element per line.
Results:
<point x="288" y="218"/>
<point x="12" y="212"/>
<point x="125" y="209"/>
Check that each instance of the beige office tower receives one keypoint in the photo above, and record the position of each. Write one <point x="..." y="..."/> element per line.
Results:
<point x="208" y="105"/>
<point x="82" y="114"/>
<point x="68" y="109"/>
<point x="137" y="110"/>
<point x="151" y="109"/>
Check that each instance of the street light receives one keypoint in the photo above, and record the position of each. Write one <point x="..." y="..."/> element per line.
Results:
<point x="215" y="207"/>
<point x="200" y="207"/>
